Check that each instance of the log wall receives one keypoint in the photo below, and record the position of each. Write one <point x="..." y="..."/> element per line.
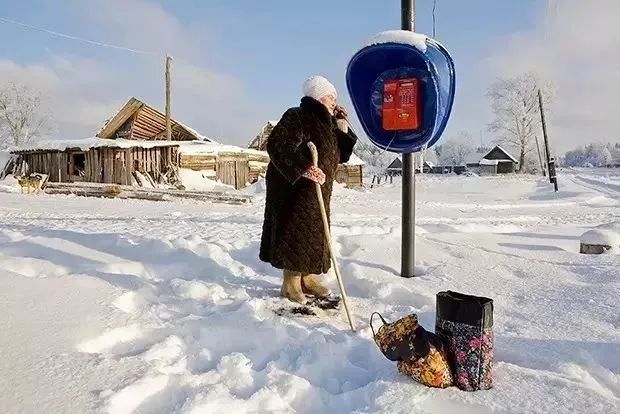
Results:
<point x="103" y="165"/>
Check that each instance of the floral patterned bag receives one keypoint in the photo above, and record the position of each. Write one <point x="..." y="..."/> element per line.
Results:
<point x="420" y="354"/>
<point x="465" y="323"/>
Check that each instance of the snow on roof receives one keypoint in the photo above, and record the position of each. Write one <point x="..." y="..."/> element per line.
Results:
<point x="355" y="160"/>
<point x="205" y="147"/>
<point x="195" y="133"/>
<point x="510" y="157"/>
<point x="484" y="161"/>
<point x="87" y="143"/>
<point x="416" y="40"/>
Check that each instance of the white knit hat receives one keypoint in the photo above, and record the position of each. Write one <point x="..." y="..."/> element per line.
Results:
<point x="317" y="87"/>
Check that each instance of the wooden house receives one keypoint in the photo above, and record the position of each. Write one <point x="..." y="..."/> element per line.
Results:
<point x="351" y="173"/>
<point x="260" y="141"/>
<point x="97" y="160"/>
<point x="395" y="167"/>
<point x="495" y="161"/>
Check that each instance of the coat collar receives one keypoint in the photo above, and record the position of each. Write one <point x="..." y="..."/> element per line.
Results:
<point x="315" y="107"/>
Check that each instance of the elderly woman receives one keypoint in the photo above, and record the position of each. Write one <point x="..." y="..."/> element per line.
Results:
<point x="293" y="238"/>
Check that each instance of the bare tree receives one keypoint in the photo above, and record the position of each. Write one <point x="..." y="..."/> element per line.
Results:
<point x="456" y="150"/>
<point x="514" y="103"/>
<point x="21" y="118"/>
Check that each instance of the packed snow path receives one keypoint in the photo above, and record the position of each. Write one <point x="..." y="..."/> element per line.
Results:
<point x="124" y="306"/>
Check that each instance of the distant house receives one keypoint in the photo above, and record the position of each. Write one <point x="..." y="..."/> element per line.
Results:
<point x="427" y="167"/>
<point x="395" y="167"/>
<point x="494" y="161"/>
<point x="506" y="163"/>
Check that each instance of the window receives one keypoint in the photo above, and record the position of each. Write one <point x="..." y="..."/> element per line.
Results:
<point x="78" y="164"/>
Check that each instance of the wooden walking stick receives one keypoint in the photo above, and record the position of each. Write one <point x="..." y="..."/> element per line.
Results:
<point x="328" y="237"/>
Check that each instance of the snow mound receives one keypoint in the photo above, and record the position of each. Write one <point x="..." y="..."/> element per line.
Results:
<point x="257" y="189"/>
<point x="9" y="185"/>
<point x="605" y="234"/>
<point x="201" y="181"/>
<point x="416" y="40"/>
<point x="4" y="158"/>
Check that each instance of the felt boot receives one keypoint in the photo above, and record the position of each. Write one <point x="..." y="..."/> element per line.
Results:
<point x="291" y="287"/>
<point x="310" y="285"/>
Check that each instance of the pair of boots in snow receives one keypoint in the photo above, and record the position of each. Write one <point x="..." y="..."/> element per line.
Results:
<point x="296" y="286"/>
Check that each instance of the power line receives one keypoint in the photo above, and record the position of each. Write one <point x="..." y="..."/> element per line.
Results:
<point x="79" y="39"/>
<point x="434" y="7"/>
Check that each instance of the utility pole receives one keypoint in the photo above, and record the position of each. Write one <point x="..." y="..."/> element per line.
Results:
<point x="408" y="213"/>
<point x="168" y="123"/>
<point x="550" y="163"/>
<point x="542" y="166"/>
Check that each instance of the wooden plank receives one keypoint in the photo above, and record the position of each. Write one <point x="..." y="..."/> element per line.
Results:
<point x="242" y="170"/>
<point x="158" y="166"/>
<point x="119" y="119"/>
<point x="127" y="167"/>
<point x="95" y="169"/>
<point x="108" y="168"/>
<point x="118" y="166"/>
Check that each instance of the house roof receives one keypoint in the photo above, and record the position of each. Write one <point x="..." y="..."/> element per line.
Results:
<point x="508" y="156"/>
<point x="254" y="142"/>
<point x="149" y="123"/>
<point x="396" y="164"/>
<point x="355" y="160"/>
<point x="87" y="143"/>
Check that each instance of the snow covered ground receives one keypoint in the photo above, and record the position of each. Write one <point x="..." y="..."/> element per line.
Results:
<point x="124" y="306"/>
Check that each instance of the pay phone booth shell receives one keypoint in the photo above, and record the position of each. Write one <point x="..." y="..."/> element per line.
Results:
<point x="381" y="67"/>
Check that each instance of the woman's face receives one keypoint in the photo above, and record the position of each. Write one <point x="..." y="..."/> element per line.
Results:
<point x="330" y="102"/>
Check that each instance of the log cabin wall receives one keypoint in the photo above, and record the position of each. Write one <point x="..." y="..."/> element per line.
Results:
<point x="102" y="164"/>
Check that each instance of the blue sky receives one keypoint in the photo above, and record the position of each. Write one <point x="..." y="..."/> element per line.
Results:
<point x="238" y="63"/>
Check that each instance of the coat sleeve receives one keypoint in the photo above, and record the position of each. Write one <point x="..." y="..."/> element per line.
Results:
<point x="286" y="148"/>
<point x="346" y="142"/>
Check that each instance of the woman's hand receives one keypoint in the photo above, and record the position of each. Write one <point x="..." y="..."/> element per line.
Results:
<point x="340" y="112"/>
<point x="315" y="174"/>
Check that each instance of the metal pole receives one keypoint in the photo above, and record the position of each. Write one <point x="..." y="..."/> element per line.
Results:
<point x="168" y="123"/>
<point x="408" y="224"/>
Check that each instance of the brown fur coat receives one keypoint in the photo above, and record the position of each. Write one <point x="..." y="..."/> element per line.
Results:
<point x="293" y="236"/>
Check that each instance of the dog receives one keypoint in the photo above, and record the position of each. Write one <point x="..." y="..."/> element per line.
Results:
<point x="31" y="181"/>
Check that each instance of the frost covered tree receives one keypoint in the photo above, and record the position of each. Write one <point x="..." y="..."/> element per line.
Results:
<point x="593" y="155"/>
<point x="575" y="158"/>
<point x="597" y="155"/>
<point x="374" y="157"/>
<point x="21" y="118"/>
<point x="514" y="102"/>
<point x="456" y="150"/>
